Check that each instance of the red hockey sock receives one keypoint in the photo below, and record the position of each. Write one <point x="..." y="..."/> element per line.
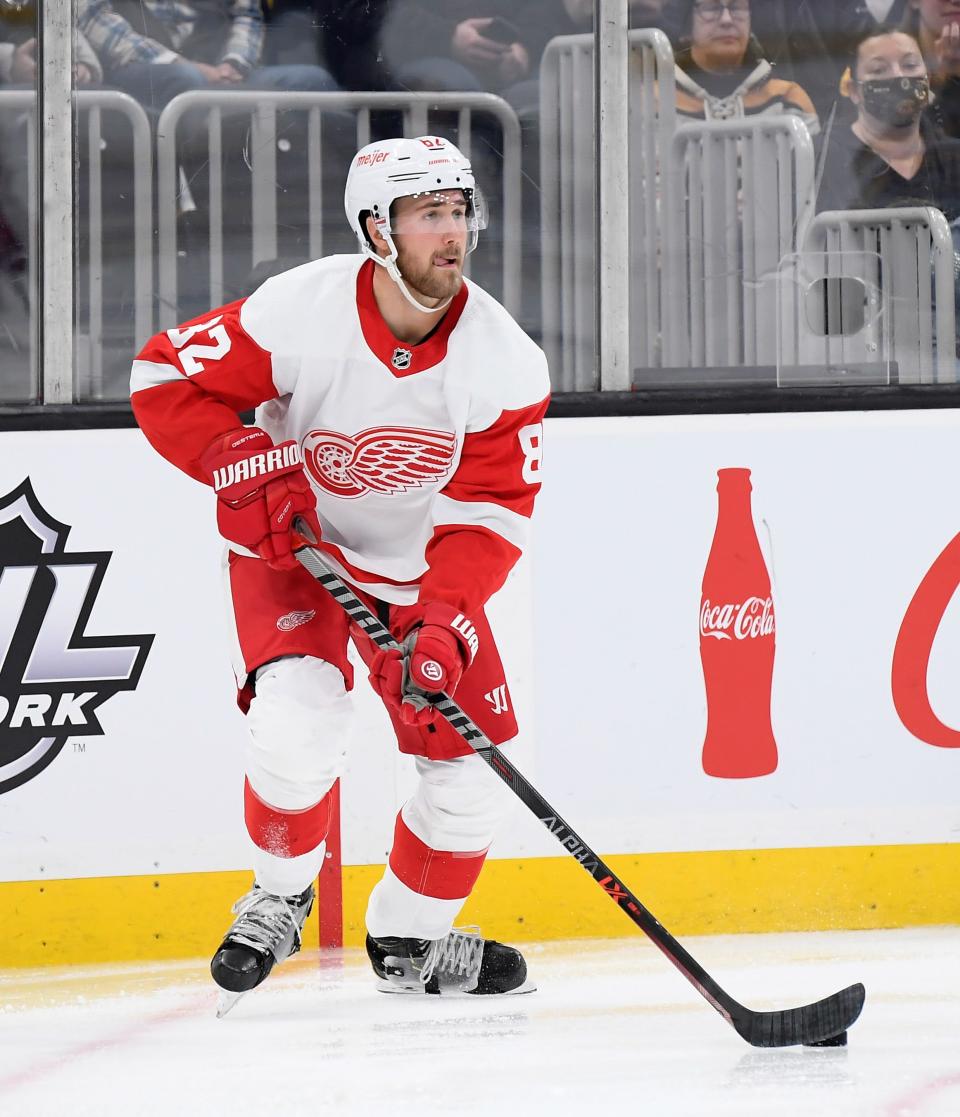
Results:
<point x="443" y="875"/>
<point x="285" y="833"/>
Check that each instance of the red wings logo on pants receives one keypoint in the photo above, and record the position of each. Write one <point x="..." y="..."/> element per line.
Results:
<point x="386" y="460"/>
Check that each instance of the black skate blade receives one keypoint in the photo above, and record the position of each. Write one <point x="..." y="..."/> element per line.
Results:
<point x="226" y="1000"/>
<point x="384" y="986"/>
<point x="527" y="987"/>
<point x="391" y="988"/>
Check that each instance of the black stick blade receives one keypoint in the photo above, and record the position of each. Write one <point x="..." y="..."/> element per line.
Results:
<point x="810" y="1025"/>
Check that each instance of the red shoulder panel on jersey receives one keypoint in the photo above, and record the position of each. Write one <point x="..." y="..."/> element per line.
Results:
<point x="188" y="383"/>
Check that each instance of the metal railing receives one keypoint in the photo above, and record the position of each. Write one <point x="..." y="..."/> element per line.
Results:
<point x="262" y="109"/>
<point x="907" y="256"/>
<point x="84" y="371"/>
<point x="92" y="104"/>
<point x="743" y="194"/>
<point x="16" y="102"/>
<point x="718" y="209"/>
<point x="569" y="199"/>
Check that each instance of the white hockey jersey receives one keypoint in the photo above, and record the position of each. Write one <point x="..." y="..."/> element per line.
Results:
<point x="425" y="459"/>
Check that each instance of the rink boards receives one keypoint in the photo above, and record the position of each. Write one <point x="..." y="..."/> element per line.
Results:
<point x="129" y="843"/>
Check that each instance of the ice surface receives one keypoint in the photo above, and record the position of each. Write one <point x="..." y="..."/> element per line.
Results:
<point x="612" y="1028"/>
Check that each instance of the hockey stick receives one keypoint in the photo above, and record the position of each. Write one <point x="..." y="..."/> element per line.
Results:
<point x="823" y="1023"/>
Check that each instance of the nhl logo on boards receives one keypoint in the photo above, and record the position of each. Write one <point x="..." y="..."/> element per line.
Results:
<point x="52" y="676"/>
<point x="401" y="358"/>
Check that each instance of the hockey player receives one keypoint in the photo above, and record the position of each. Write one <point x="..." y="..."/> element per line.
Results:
<point x="399" y="418"/>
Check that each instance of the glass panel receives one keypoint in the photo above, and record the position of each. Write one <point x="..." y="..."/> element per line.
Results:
<point x="206" y="163"/>
<point x="113" y="215"/>
<point x="18" y="211"/>
<point x="248" y="186"/>
<point x="532" y="150"/>
<point x="757" y="167"/>
<point x="568" y="201"/>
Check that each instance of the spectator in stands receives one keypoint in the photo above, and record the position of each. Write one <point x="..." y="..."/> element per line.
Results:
<point x="349" y="35"/>
<point x="721" y="70"/>
<point x="809" y="41"/>
<point x="18" y="63"/>
<point x="892" y="154"/>
<point x="18" y="69"/>
<point x="806" y="41"/>
<point x="935" y="24"/>
<point x="291" y="32"/>
<point x="155" y="49"/>
<point x="469" y="45"/>
<point x="456" y="45"/>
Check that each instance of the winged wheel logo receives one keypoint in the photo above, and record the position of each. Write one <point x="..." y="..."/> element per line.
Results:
<point x="384" y="460"/>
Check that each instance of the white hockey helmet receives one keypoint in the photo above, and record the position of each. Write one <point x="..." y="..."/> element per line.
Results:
<point x="389" y="169"/>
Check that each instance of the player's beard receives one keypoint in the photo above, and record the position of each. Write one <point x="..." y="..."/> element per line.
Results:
<point x="428" y="281"/>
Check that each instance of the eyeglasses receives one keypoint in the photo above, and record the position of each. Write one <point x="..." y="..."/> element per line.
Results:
<point x="711" y="10"/>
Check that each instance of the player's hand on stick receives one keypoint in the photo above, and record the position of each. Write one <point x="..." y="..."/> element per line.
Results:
<point x="261" y="489"/>
<point x="440" y="646"/>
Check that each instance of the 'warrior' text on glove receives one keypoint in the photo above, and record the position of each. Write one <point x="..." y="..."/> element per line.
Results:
<point x="261" y="489"/>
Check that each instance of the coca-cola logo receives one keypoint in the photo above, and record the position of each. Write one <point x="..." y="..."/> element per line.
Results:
<point x="911" y="655"/>
<point x="745" y="620"/>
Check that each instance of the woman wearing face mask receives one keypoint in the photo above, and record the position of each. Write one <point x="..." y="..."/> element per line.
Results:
<point x="892" y="154"/>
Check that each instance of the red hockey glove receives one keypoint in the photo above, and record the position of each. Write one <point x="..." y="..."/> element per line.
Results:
<point x="261" y="489"/>
<point x="435" y="655"/>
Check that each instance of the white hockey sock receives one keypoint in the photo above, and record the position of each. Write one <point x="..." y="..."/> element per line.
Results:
<point x="396" y="910"/>
<point x="286" y="876"/>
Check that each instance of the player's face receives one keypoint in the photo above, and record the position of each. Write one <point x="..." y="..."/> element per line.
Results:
<point x="430" y="232"/>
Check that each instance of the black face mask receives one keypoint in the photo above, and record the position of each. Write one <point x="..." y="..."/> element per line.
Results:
<point x="897" y="101"/>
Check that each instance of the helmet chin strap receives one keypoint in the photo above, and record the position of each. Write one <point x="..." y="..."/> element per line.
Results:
<point x="390" y="263"/>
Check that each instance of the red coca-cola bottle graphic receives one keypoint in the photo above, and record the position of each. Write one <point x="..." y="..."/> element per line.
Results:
<point x="737" y="640"/>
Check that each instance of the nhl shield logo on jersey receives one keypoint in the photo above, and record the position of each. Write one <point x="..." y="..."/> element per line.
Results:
<point x="401" y="358"/>
<point x="384" y="460"/>
<point x="52" y="676"/>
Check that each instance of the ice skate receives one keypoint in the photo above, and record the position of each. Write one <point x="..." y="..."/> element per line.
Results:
<point x="267" y="930"/>
<point x="462" y="963"/>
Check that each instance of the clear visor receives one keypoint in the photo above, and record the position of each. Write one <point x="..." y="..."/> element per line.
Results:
<point x="436" y="210"/>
